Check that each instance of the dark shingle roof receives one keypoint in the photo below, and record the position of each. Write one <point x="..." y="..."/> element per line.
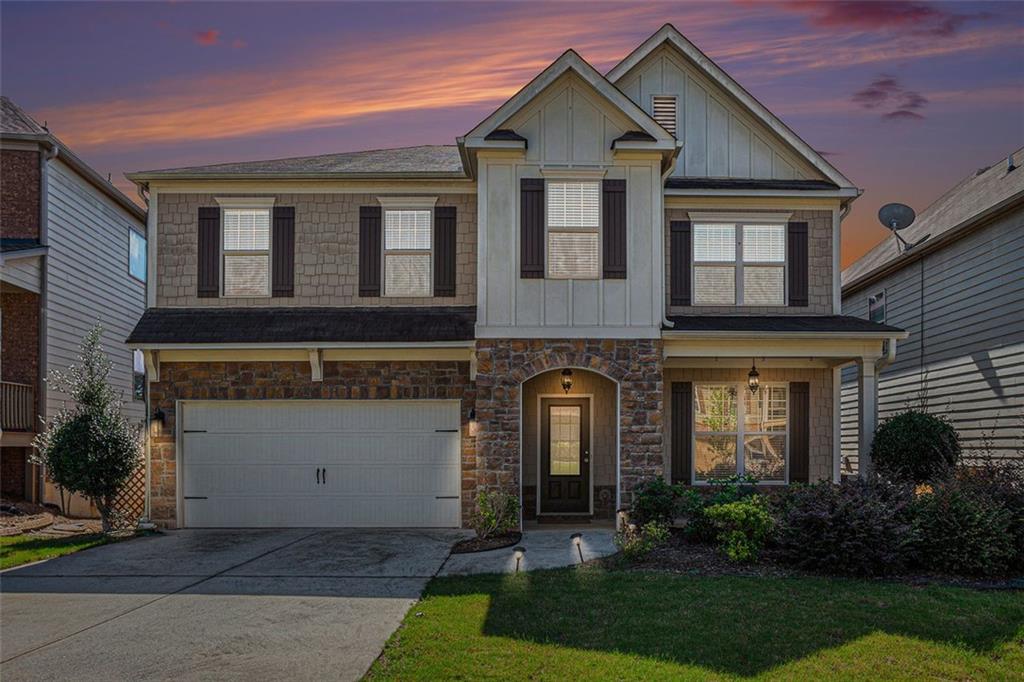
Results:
<point x="958" y="208"/>
<point x="634" y="136"/>
<point x="428" y="160"/>
<point x="744" y="183"/>
<point x="505" y="134"/>
<point x="777" y="323"/>
<point x="303" y="325"/>
<point x="13" y="119"/>
<point x="12" y="244"/>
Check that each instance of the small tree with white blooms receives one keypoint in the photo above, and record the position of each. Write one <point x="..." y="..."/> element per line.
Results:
<point x="89" y="447"/>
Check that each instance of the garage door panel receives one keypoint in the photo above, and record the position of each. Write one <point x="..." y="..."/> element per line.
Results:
<point x="323" y="415"/>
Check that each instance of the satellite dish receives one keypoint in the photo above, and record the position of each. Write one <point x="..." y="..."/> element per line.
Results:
<point x="896" y="216"/>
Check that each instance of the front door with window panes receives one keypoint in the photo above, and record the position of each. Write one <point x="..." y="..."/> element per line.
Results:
<point x="737" y="432"/>
<point x="565" y="455"/>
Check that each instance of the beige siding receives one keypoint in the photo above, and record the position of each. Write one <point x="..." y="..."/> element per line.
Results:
<point x="819" y="253"/>
<point x="326" y="252"/>
<point x="820" y="380"/>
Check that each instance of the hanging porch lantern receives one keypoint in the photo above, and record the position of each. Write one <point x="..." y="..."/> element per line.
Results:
<point x="567" y="380"/>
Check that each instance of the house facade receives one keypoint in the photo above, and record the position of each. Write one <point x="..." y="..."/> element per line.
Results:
<point x="959" y="295"/>
<point x="72" y="253"/>
<point x="573" y="299"/>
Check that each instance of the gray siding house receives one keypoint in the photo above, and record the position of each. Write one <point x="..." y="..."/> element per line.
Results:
<point x="960" y="295"/>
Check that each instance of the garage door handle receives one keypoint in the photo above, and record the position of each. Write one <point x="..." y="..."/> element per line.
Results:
<point x="446" y="497"/>
<point x="325" y="475"/>
<point x="446" y="430"/>
<point x="318" y="475"/>
<point x="195" y="497"/>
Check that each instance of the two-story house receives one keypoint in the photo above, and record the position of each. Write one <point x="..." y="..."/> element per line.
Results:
<point x="72" y="253"/>
<point x="609" y="279"/>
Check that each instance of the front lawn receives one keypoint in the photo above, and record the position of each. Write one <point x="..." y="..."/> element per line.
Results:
<point x="605" y="624"/>
<point x="23" y="549"/>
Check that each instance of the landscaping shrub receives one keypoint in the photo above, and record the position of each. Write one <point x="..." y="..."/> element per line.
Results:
<point x="915" y="446"/>
<point x="496" y="512"/>
<point x="718" y="491"/>
<point x="1003" y="482"/>
<point x="635" y="542"/>
<point x="856" y="527"/>
<point x="655" y="500"/>
<point x="741" y="528"/>
<point x="963" y="529"/>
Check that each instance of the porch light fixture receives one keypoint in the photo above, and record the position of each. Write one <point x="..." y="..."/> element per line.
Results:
<point x="518" y="552"/>
<point x="473" y="426"/>
<point x="753" y="378"/>
<point x="566" y="380"/>
<point x="577" y="539"/>
<point x="159" y="416"/>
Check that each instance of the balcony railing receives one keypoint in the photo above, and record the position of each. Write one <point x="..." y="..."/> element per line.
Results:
<point x="17" y="406"/>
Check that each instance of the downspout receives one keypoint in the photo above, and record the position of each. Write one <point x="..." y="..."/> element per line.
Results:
<point x="143" y="190"/>
<point x="48" y="155"/>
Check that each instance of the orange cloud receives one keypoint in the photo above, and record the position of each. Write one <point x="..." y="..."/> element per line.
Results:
<point x="207" y="37"/>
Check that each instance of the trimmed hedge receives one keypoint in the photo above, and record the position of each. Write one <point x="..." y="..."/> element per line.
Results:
<point x="915" y="446"/>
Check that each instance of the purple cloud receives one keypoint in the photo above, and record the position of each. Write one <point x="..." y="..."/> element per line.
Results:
<point x="886" y="92"/>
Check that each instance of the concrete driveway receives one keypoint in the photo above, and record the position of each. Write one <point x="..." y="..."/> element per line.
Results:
<point x="190" y="604"/>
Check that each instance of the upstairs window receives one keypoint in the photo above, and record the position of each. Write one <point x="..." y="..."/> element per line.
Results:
<point x="136" y="255"/>
<point x="876" y="307"/>
<point x="407" y="253"/>
<point x="664" y="108"/>
<point x="246" y="252"/>
<point x="739" y="264"/>
<point x="574" y="221"/>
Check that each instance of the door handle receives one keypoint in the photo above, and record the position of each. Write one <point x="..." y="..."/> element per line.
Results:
<point x="325" y="475"/>
<point x="318" y="475"/>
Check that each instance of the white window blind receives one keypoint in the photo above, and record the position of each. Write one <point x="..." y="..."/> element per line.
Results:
<point x="764" y="244"/>
<point x="714" y="243"/>
<point x="574" y="204"/>
<point x="246" y="229"/>
<point x="407" y="230"/>
<point x="246" y="275"/>
<point x="573" y="255"/>
<point x="664" y="107"/>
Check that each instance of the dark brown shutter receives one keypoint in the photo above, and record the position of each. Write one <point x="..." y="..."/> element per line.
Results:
<point x="798" y="264"/>
<point x="679" y="262"/>
<point x="531" y="228"/>
<point x="682" y="431"/>
<point x="283" y="249"/>
<point x="208" y="279"/>
<point x="799" y="431"/>
<point x="444" y="251"/>
<point x="369" y="250"/>
<point x="613" y="214"/>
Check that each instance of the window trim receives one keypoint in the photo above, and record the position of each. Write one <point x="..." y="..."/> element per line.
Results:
<point x="738" y="222"/>
<point x="740" y="432"/>
<point x="145" y="255"/>
<point x="405" y="204"/>
<point x="594" y="179"/>
<point x="240" y="205"/>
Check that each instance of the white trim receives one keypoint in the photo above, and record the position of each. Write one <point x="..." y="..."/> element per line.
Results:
<point x="151" y="244"/>
<point x="412" y="203"/>
<point x="837" y="423"/>
<point x="305" y="345"/>
<point x="581" y="174"/>
<point x="567" y="332"/>
<point x="824" y="336"/>
<point x="739" y="217"/>
<point x="837" y="270"/>
<point x="327" y="185"/>
<point x="797" y="194"/>
<point x="590" y="439"/>
<point x="245" y="202"/>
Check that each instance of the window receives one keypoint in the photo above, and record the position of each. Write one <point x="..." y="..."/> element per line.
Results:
<point x="138" y="375"/>
<point x="574" y="221"/>
<point x="136" y="255"/>
<point x="664" y="107"/>
<point x="739" y="264"/>
<point x="737" y="432"/>
<point x="564" y="424"/>
<point x="246" y="252"/>
<point x="407" y="254"/>
<point x="876" y="307"/>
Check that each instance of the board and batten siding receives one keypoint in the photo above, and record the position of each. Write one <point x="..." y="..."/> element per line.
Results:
<point x="568" y="126"/>
<point x="964" y="357"/>
<point x="719" y="138"/>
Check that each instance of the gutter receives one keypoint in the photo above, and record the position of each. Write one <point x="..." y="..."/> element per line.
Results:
<point x="143" y="177"/>
<point x="752" y="335"/>
<point x="300" y="345"/>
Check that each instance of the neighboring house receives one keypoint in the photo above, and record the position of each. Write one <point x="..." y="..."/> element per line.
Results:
<point x="960" y="295"/>
<point x="563" y="305"/>
<point x="72" y="253"/>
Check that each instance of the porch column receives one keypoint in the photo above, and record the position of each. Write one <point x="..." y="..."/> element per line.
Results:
<point x="867" y="415"/>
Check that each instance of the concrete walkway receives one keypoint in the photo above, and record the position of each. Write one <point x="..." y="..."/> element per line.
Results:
<point x="550" y="547"/>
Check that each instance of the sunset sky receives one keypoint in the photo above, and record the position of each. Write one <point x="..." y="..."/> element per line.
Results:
<point x="904" y="98"/>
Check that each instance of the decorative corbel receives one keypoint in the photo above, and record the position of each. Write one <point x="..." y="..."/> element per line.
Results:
<point x="152" y="360"/>
<point x="316" y="364"/>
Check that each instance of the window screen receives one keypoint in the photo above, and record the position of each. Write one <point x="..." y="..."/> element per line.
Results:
<point x="246" y="252"/>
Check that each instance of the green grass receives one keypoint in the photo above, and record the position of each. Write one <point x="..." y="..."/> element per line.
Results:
<point x="23" y="549"/>
<point x="597" y="624"/>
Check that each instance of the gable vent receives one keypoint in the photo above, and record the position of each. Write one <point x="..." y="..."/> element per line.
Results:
<point x="665" y="112"/>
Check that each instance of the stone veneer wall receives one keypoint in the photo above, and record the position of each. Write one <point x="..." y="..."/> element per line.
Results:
<point x="438" y="380"/>
<point x="326" y="251"/>
<point x="819" y="258"/>
<point x="504" y="364"/>
<point x="820" y="380"/>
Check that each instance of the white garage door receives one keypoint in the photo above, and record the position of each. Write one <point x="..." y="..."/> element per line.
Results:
<point x="381" y="463"/>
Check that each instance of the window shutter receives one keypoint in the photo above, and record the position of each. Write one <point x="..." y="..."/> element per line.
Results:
<point x="208" y="275"/>
<point x="369" y="250"/>
<point x="679" y="262"/>
<point x="799" y="432"/>
<point x="798" y="263"/>
<point x="444" y="251"/>
<point x="282" y="279"/>
<point x="613" y="208"/>
<point x="682" y="431"/>
<point x="531" y="228"/>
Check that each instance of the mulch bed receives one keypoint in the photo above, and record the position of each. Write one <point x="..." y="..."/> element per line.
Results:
<point x="19" y="517"/>
<point x="487" y="544"/>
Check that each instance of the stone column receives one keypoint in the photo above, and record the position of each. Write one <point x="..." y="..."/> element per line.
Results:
<point x="867" y="414"/>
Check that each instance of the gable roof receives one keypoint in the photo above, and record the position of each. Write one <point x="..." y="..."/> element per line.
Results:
<point x="975" y="198"/>
<point x="669" y="34"/>
<point x="13" y="119"/>
<point x="427" y="161"/>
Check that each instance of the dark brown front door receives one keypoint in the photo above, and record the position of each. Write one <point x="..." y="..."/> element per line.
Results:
<point x="564" y="455"/>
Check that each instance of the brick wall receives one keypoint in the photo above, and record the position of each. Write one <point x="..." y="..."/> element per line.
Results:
<point x="326" y="251"/>
<point x="292" y="380"/>
<point x="19" y="193"/>
<point x="19" y="337"/>
<point x="13" y="464"/>
<point x="820" y="380"/>
<point x="502" y="367"/>
<point x="819" y="257"/>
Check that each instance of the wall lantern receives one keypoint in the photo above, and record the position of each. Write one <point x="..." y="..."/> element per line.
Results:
<point x="567" y="380"/>
<point x="473" y="424"/>
<point x="753" y="378"/>
<point x="159" y="416"/>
